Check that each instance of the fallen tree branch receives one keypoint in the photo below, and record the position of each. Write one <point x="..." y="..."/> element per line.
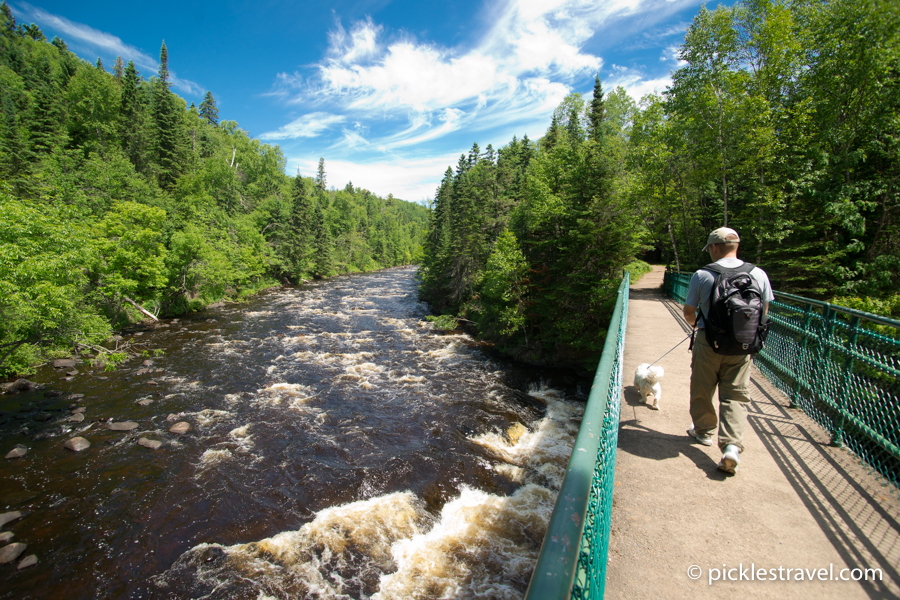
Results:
<point x="141" y="308"/>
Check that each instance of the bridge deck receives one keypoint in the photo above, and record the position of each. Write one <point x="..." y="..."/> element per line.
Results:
<point x="796" y="502"/>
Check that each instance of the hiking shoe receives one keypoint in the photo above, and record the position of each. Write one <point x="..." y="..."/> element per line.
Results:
<point x="706" y="440"/>
<point x="730" y="459"/>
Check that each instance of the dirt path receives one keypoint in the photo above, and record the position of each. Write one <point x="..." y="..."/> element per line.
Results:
<point x="795" y="503"/>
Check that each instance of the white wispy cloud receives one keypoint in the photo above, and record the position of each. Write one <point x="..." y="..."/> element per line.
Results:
<point x="308" y="126"/>
<point x="414" y="180"/>
<point x="101" y="43"/>
<point x="638" y="85"/>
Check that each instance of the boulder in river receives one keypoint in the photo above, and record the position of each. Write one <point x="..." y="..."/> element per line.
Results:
<point x="6" y="536"/>
<point x="180" y="428"/>
<point x="11" y="552"/>
<point x="9" y="517"/>
<point x="28" y="561"/>
<point x="19" y="385"/>
<point x="64" y="363"/>
<point x="77" y="444"/>
<point x="123" y="426"/>
<point x="18" y="452"/>
<point x="148" y="443"/>
<point x="76" y="418"/>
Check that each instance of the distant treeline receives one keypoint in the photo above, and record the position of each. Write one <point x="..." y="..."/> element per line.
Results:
<point x="113" y="189"/>
<point x="782" y="122"/>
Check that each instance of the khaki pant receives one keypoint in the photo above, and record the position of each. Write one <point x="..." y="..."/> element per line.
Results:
<point x="731" y="375"/>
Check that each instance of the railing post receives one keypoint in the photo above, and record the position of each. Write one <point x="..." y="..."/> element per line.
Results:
<point x="841" y="399"/>
<point x="801" y="358"/>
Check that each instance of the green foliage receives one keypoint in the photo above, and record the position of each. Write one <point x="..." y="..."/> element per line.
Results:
<point x="503" y="289"/>
<point x="443" y="322"/>
<point x="638" y="269"/>
<point x="110" y="187"/>
<point x="783" y="125"/>
<point x="43" y="265"/>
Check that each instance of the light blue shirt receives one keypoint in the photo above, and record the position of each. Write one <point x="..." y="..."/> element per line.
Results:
<point x="702" y="283"/>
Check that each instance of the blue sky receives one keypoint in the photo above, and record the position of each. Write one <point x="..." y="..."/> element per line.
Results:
<point x="389" y="93"/>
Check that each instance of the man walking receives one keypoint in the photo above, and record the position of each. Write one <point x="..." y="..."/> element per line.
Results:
<point x="730" y="373"/>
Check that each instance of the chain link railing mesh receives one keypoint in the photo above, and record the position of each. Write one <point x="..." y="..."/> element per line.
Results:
<point x="590" y="576"/>
<point x="841" y="366"/>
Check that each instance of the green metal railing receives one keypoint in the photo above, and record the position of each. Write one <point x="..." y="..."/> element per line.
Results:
<point x="572" y="562"/>
<point x="840" y="365"/>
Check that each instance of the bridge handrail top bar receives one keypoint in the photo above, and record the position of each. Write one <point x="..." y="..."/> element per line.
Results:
<point x="825" y="305"/>
<point x="555" y="570"/>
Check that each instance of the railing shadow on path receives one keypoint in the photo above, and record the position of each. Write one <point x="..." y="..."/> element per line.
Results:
<point x="856" y="512"/>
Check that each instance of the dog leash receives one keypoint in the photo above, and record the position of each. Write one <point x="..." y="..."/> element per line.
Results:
<point x="670" y="351"/>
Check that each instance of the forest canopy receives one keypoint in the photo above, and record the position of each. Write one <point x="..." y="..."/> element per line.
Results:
<point x="113" y="189"/>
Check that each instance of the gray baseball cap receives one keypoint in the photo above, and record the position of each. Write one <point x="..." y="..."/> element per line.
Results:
<point x="722" y="235"/>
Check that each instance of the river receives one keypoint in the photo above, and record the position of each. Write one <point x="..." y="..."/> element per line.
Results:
<point x="340" y="447"/>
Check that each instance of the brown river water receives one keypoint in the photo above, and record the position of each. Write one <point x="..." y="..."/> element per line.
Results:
<point x="340" y="448"/>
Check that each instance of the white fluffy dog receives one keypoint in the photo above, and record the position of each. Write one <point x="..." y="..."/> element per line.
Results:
<point x="646" y="379"/>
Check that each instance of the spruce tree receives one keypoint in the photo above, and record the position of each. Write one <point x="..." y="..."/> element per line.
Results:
<point x="119" y="69"/>
<point x="320" y="176"/>
<point x="597" y="112"/>
<point x="167" y="124"/>
<point x="208" y="109"/>
<point x="46" y="114"/>
<point x="130" y="117"/>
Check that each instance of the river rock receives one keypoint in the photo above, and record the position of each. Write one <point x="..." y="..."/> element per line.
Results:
<point x="23" y="385"/>
<point x="53" y="393"/>
<point x="123" y="426"/>
<point x="148" y="443"/>
<point x="180" y="428"/>
<point x="72" y="373"/>
<point x="74" y="397"/>
<point x="64" y="363"/>
<point x="11" y="552"/>
<point x="147" y="363"/>
<point x="79" y="410"/>
<point x="28" y="561"/>
<point x="6" y="536"/>
<point x="145" y="402"/>
<point x="77" y="444"/>
<point x="76" y="418"/>
<point x="9" y="517"/>
<point x="18" y="452"/>
<point x="151" y="382"/>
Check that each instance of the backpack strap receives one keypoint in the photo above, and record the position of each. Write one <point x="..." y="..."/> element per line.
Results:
<point x="720" y="270"/>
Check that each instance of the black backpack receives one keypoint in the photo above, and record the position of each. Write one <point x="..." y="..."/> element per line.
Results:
<point x="735" y="324"/>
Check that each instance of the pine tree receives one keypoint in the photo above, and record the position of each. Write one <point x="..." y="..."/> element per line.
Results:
<point x="130" y="118"/>
<point x="8" y="18"/>
<point x="100" y="64"/>
<point x="551" y="138"/>
<point x="119" y="69"/>
<point x="208" y="110"/>
<point x="597" y="112"/>
<point x="46" y="115"/>
<point x="320" y="176"/>
<point x="167" y="124"/>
